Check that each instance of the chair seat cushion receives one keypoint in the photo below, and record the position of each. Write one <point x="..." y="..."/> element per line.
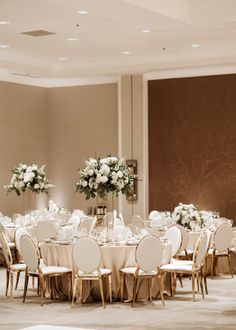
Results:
<point x="50" y="270"/>
<point x="181" y="262"/>
<point x="183" y="253"/>
<point x="132" y="270"/>
<point x="104" y="271"/>
<point x="217" y="253"/>
<point x="177" y="267"/>
<point x="16" y="267"/>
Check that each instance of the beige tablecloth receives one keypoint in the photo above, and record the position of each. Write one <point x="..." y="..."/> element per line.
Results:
<point x="113" y="257"/>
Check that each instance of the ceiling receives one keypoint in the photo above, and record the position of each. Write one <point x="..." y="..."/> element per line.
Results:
<point x="110" y="28"/>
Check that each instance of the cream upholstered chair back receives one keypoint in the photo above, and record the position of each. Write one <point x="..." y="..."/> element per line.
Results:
<point x="18" y="234"/>
<point x="46" y="229"/>
<point x="184" y="237"/>
<point x="29" y="253"/>
<point x="86" y="227"/>
<point x="173" y="234"/>
<point x="87" y="255"/>
<point x="5" y="249"/>
<point x="200" y="250"/>
<point x="137" y="221"/>
<point x="149" y="253"/>
<point x="223" y="237"/>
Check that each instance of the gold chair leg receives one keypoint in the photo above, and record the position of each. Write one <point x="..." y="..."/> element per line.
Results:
<point x="80" y="291"/>
<point x="134" y="290"/>
<point x="25" y="286"/>
<point x="42" y="289"/>
<point x="150" y="284"/>
<point x="228" y="258"/>
<point x="17" y="279"/>
<point x="193" y="285"/>
<point x="74" y="291"/>
<point x="212" y="266"/>
<point x="160" y="283"/>
<point x="201" y="284"/>
<point x="122" y="277"/>
<point x="110" y="287"/>
<point x="11" y="285"/>
<point x="197" y="278"/>
<point x="7" y="283"/>
<point x="180" y="280"/>
<point x="101" y="291"/>
<point x="69" y="277"/>
<point x="171" y="284"/>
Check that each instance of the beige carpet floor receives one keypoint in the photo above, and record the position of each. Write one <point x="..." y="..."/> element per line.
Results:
<point x="216" y="311"/>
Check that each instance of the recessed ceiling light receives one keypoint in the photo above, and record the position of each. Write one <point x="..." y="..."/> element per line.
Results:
<point x="83" y="12"/>
<point x="196" y="45"/>
<point x="4" y="46"/>
<point x="127" y="52"/>
<point x="62" y="58"/>
<point x="146" y="31"/>
<point x="71" y="39"/>
<point x="4" y="22"/>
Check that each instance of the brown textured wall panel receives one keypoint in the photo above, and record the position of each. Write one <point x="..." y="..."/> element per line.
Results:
<point x="192" y="143"/>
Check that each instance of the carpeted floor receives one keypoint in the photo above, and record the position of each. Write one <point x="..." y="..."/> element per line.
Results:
<point x="216" y="311"/>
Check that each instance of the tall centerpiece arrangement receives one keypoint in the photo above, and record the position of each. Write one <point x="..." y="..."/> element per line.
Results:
<point x="100" y="177"/>
<point x="188" y="216"/>
<point x="28" y="178"/>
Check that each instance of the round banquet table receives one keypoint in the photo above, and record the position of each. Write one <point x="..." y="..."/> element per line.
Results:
<point x="114" y="257"/>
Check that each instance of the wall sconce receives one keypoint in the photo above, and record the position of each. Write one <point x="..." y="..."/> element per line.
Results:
<point x="133" y="168"/>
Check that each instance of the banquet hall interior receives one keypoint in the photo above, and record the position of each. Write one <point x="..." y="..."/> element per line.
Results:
<point x="118" y="164"/>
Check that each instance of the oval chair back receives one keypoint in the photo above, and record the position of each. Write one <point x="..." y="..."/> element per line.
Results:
<point x="200" y="250"/>
<point x="29" y="253"/>
<point x="223" y="237"/>
<point x="5" y="249"/>
<point x="46" y="229"/>
<point x="173" y="234"/>
<point x="184" y="237"/>
<point x="86" y="255"/>
<point x="18" y="234"/>
<point x="149" y="253"/>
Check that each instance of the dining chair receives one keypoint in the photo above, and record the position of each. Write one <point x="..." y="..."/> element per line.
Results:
<point x="183" y="251"/>
<point x="87" y="258"/>
<point x="191" y="268"/>
<point x="45" y="229"/>
<point x="148" y="256"/>
<point x="221" y="247"/>
<point x="173" y="235"/>
<point x="34" y="268"/>
<point x="18" y="234"/>
<point x="11" y="268"/>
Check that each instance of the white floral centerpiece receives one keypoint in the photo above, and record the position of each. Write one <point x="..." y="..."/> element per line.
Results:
<point x="31" y="178"/>
<point x="102" y="176"/>
<point x="187" y="216"/>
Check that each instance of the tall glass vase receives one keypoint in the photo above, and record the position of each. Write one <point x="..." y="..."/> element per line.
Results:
<point x="26" y="201"/>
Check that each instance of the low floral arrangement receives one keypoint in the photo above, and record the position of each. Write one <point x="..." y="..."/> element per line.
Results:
<point x="187" y="216"/>
<point x="26" y="177"/>
<point x="102" y="176"/>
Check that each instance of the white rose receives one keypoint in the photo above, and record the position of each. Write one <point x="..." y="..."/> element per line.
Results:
<point x="84" y="184"/>
<point x="91" y="172"/>
<point x="120" y="174"/>
<point x="104" y="179"/>
<point x="36" y="186"/>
